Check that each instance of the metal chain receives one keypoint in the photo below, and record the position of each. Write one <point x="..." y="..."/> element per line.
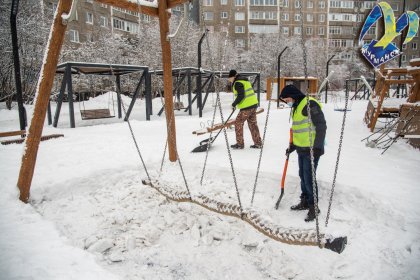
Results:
<point x="314" y="184"/>
<point x="261" y="152"/>
<point x="222" y="120"/>
<point x="209" y="142"/>
<point x="338" y="158"/>
<point x="134" y="138"/>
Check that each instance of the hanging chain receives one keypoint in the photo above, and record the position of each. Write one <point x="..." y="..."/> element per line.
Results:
<point x="311" y="148"/>
<point x="210" y="140"/>
<point x="338" y="159"/>
<point x="222" y="120"/>
<point x="261" y="152"/>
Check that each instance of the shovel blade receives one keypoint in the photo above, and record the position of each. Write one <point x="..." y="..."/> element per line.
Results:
<point x="278" y="200"/>
<point x="200" y="149"/>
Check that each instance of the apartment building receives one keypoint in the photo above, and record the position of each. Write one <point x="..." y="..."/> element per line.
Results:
<point x="336" y="22"/>
<point x="93" y="19"/>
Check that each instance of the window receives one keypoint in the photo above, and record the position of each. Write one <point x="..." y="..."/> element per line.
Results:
<point x="224" y="29"/>
<point x="264" y="15"/>
<point x="334" y="4"/>
<point x="309" y="30"/>
<point x="89" y="37"/>
<point x="285" y="4"/>
<point x="118" y="24"/>
<point x="104" y="5"/>
<point x="321" y="4"/>
<point x="240" y="43"/>
<point x="223" y="2"/>
<point x="359" y="17"/>
<point x="74" y="36"/>
<point x="414" y="46"/>
<point x="310" y="4"/>
<point x="334" y="30"/>
<point x="208" y="16"/>
<point x="239" y="29"/>
<point x="321" y="18"/>
<point x="285" y="17"/>
<point x="297" y="17"/>
<point x="347" y="4"/>
<point x="297" y="4"/>
<point x="239" y="2"/>
<point x="403" y="58"/>
<point x="369" y="4"/>
<point x="285" y="30"/>
<point x="404" y="47"/>
<point x="263" y="28"/>
<point x="309" y="17"/>
<point x="224" y="15"/>
<point x="297" y="30"/>
<point x="89" y="18"/>
<point x="104" y="21"/>
<point x="321" y="31"/>
<point x="208" y="3"/>
<point x="239" y="16"/>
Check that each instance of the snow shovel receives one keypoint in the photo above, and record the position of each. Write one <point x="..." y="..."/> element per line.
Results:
<point x="204" y="143"/>
<point x="283" y="179"/>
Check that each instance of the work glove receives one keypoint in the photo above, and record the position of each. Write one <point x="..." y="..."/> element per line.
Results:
<point x="318" y="152"/>
<point x="290" y="149"/>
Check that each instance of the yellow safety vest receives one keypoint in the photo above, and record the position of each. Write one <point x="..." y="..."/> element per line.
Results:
<point x="250" y="96"/>
<point x="300" y="126"/>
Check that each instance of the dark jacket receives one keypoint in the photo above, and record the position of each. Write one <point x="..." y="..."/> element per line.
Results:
<point x="241" y="92"/>
<point x="317" y="116"/>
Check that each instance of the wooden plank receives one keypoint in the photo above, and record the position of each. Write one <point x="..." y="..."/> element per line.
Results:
<point x="20" y="140"/>
<point x="405" y="81"/>
<point x="12" y="133"/>
<point x="379" y="106"/>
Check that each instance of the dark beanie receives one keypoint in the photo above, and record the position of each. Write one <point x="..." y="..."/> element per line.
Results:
<point x="232" y="73"/>
<point x="291" y="91"/>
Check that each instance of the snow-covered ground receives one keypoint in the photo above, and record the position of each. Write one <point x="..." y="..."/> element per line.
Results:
<point x="90" y="217"/>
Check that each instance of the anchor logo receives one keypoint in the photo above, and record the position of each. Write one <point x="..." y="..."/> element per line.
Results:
<point x="379" y="52"/>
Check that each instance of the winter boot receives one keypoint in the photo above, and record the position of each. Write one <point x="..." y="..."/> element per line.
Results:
<point x="255" y="146"/>
<point x="236" y="146"/>
<point x="302" y="205"/>
<point x="311" y="213"/>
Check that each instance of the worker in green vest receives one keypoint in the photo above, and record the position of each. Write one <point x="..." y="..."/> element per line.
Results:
<point x="247" y="102"/>
<point x="303" y="133"/>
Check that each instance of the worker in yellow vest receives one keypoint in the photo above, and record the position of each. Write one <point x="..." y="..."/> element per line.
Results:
<point x="247" y="102"/>
<point x="301" y="129"/>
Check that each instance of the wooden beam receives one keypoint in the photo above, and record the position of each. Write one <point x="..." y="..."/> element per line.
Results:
<point x="12" y="133"/>
<point x="174" y="3"/>
<point x="167" y="79"/>
<point x="131" y="6"/>
<point x="43" y="91"/>
<point x="405" y="81"/>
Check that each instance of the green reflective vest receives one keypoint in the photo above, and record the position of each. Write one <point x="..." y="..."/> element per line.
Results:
<point x="250" y="96"/>
<point x="300" y="126"/>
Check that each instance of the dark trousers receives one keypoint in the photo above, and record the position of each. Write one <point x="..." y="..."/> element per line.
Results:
<point x="249" y="115"/>
<point x="305" y="174"/>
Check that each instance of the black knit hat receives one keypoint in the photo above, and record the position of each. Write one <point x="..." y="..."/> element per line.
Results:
<point x="232" y="73"/>
<point x="291" y="91"/>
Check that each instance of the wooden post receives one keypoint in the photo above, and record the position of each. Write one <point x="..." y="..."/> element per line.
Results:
<point x="43" y="91"/>
<point x="167" y="78"/>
